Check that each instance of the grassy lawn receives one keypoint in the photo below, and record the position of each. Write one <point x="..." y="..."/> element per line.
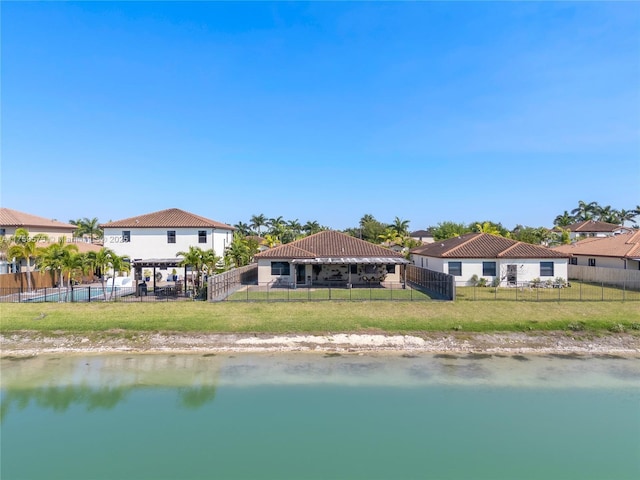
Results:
<point x="321" y="317"/>
<point x="577" y="292"/>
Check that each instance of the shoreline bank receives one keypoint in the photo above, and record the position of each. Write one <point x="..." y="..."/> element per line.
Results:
<point x="34" y="343"/>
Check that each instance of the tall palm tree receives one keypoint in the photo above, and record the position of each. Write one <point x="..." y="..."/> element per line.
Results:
<point x="243" y="229"/>
<point x="627" y="215"/>
<point x="210" y="261"/>
<point x="585" y="211"/>
<point x="400" y="226"/>
<point x="25" y="248"/>
<point x="312" y="227"/>
<point x="237" y="253"/>
<point x="563" y="220"/>
<point x="194" y="259"/>
<point x="258" y="221"/>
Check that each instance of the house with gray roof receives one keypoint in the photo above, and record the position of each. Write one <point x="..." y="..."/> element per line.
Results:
<point x="329" y="258"/>
<point x="491" y="257"/>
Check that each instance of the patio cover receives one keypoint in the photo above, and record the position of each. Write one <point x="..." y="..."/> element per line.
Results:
<point x="158" y="262"/>
<point x="351" y="260"/>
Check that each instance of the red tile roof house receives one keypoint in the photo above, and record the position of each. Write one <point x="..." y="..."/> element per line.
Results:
<point x="11" y="220"/>
<point x="153" y="239"/>
<point x="620" y="251"/>
<point x="491" y="257"/>
<point x="593" y="228"/>
<point x="329" y="258"/>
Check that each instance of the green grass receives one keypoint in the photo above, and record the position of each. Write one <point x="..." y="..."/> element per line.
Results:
<point x="320" y="317"/>
<point x="577" y="292"/>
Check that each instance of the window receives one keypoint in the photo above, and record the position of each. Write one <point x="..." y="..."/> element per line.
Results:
<point x="546" y="269"/>
<point x="171" y="236"/>
<point x="3" y="231"/>
<point x="455" y="268"/>
<point x="354" y="269"/>
<point x="592" y="262"/>
<point x="202" y="236"/>
<point x="573" y="261"/>
<point x="280" y="268"/>
<point x="126" y="236"/>
<point x="488" y="269"/>
<point x="391" y="268"/>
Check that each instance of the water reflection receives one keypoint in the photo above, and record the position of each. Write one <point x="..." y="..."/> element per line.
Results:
<point x="102" y="382"/>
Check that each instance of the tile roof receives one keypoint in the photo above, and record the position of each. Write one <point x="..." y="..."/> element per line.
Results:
<point x="484" y="245"/>
<point x="327" y="244"/>
<point x="624" y="245"/>
<point x="172" y="217"/>
<point x="14" y="218"/>
<point x="593" y="226"/>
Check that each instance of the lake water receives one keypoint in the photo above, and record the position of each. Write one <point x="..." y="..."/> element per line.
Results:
<point x="304" y="416"/>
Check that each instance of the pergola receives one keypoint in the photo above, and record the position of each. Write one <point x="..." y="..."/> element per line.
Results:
<point x="154" y="263"/>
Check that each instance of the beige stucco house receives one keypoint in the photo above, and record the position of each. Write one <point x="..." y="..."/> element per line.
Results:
<point x="329" y="258"/>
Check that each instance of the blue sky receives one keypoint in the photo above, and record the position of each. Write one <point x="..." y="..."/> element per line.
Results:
<point x="428" y="111"/>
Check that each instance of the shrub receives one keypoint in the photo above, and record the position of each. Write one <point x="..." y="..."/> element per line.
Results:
<point x="617" y="328"/>
<point x="576" y="326"/>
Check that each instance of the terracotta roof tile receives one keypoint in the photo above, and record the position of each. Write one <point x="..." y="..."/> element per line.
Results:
<point x="328" y="243"/>
<point x="14" y="218"/>
<point x="620" y="246"/>
<point x="172" y="217"/>
<point x="483" y="245"/>
<point x="593" y="226"/>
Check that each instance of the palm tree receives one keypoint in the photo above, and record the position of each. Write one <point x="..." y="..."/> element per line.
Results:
<point x="237" y="253"/>
<point x="276" y="226"/>
<point x="5" y="243"/>
<point x="63" y="259"/>
<point x="563" y="220"/>
<point x="488" y="227"/>
<point x="193" y="258"/>
<point x="390" y="236"/>
<point x="25" y="248"/>
<point x="210" y="261"/>
<point x="243" y="229"/>
<point x="627" y="215"/>
<point x="258" y="221"/>
<point x="585" y="211"/>
<point x="77" y="233"/>
<point x="400" y="226"/>
<point x="101" y="260"/>
<point x="271" y="240"/>
<point x="312" y="227"/>
<point x="118" y="264"/>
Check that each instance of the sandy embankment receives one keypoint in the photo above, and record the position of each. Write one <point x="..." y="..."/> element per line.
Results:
<point x="32" y="343"/>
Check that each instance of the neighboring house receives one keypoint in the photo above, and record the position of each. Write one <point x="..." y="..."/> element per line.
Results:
<point x="153" y="240"/>
<point x="424" y="236"/>
<point x="620" y="251"/>
<point x="329" y="258"/>
<point x="491" y="257"/>
<point x="593" y="228"/>
<point x="11" y="220"/>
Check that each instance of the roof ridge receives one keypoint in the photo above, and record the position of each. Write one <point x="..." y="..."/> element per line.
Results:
<point x="514" y="245"/>
<point x="472" y="236"/>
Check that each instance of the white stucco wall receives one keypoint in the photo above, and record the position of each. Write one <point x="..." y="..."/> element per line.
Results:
<point x="264" y="273"/>
<point x="527" y="269"/>
<point x="608" y="262"/>
<point x="148" y="243"/>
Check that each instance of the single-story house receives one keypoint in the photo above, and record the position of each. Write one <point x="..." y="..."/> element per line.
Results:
<point x="619" y="251"/>
<point x="491" y="257"/>
<point x="153" y="240"/>
<point x="593" y="228"/>
<point x="329" y="258"/>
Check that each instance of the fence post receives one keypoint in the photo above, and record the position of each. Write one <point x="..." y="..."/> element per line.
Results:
<point x="602" y="290"/>
<point x="624" y="289"/>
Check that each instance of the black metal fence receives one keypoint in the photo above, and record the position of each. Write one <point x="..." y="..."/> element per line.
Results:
<point x="270" y="292"/>
<point x="570" y="291"/>
<point x="87" y="294"/>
